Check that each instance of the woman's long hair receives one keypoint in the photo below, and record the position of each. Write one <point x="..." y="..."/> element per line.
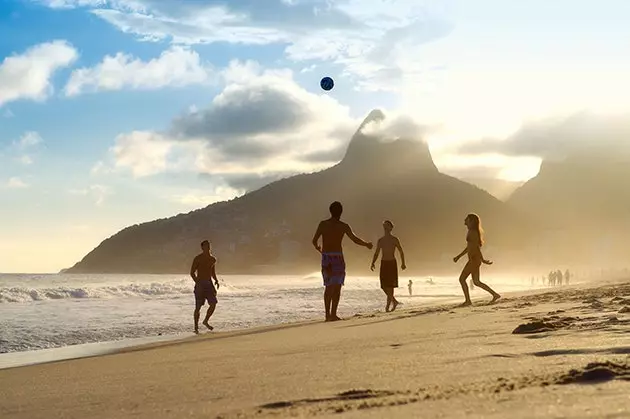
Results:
<point x="476" y="225"/>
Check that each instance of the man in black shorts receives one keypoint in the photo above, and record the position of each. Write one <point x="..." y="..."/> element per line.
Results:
<point x="389" y="266"/>
<point x="203" y="272"/>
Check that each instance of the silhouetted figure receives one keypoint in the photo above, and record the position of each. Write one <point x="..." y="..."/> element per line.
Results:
<point x="332" y="232"/>
<point x="203" y="271"/>
<point x="559" y="277"/>
<point x="410" y="286"/>
<point x="474" y="240"/>
<point x="389" y="266"/>
<point x="567" y="276"/>
<point x="552" y="278"/>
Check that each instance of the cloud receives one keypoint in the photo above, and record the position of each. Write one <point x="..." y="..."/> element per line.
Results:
<point x="16" y="183"/>
<point x="26" y="143"/>
<point x="201" y="198"/>
<point x="97" y="192"/>
<point x="488" y="166"/>
<point x="372" y="42"/>
<point x="261" y="124"/>
<point x="175" y="67"/>
<point x="28" y="139"/>
<point x="28" y="75"/>
<point x="396" y="127"/>
<point x="26" y="160"/>
<point x="558" y="137"/>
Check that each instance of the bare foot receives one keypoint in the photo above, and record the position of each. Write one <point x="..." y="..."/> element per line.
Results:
<point x="495" y="298"/>
<point x="196" y="331"/>
<point x="205" y="323"/>
<point x="465" y="304"/>
<point x="335" y="318"/>
<point x="395" y="304"/>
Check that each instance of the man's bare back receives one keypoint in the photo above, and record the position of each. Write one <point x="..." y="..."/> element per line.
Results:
<point x="332" y="232"/>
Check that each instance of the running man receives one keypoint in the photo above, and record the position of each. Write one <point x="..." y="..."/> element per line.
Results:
<point x="332" y="232"/>
<point x="203" y="272"/>
<point x="389" y="266"/>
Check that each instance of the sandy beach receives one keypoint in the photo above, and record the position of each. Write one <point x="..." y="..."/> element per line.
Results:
<point x="555" y="353"/>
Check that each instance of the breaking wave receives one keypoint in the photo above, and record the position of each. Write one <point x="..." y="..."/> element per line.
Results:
<point x="18" y="294"/>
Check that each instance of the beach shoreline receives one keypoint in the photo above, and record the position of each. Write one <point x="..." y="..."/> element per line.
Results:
<point x="441" y="360"/>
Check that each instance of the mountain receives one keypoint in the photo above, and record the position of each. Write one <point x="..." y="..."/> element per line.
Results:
<point x="270" y="229"/>
<point x="499" y="188"/>
<point x="582" y="205"/>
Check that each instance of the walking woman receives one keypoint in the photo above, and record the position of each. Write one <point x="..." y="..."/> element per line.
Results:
<point x="474" y="241"/>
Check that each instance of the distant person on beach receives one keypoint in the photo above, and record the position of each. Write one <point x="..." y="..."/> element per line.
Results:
<point x="552" y="278"/>
<point x="474" y="240"/>
<point x="567" y="275"/>
<point x="203" y="271"/>
<point x="410" y="286"/>
<point x="332" y="231"/>
<point x="389" y="266"/>
<point x="559" y="277"/>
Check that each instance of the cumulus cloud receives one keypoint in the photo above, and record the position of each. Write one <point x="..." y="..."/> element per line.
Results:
<point x="28" y="139"/>
<point x="23" y="147"/>
<point x="396" y="126"/>
<point x="261" y="126"/>
<point x="27" y="75"/>
<point x="558" y="137"/>
<point x="16" y="183"/>
<point x="176" y="67"/>
<point x="365" y="39"/>
<point x="97" y="192"/>
<point x="200" y="198"/>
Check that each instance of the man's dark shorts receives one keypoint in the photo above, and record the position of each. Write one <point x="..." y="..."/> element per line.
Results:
<point x="205" y="291"/>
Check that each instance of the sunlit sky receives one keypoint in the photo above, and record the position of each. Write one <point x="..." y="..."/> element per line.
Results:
<point x="115" y="112"/>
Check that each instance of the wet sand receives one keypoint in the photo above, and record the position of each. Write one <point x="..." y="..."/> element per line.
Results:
<point x="558" y="353"/>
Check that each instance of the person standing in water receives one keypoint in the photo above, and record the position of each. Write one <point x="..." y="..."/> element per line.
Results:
<point x="389" y="266"/>
<point x="332" y="231"/>
<point x="410" y="286"/>
<point x="474" y="240"/>
<point x="203" y="272"/>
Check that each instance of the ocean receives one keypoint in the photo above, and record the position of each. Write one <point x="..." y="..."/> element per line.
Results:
<point x="53" y="311"/>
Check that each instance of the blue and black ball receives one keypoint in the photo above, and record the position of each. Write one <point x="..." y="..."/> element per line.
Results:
<point x="327" y="83"/>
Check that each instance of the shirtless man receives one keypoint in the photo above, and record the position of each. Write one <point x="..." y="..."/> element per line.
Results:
<point x="332" y="232"/>
<point x="389" y="267"/>
<point x="203" y="272"/>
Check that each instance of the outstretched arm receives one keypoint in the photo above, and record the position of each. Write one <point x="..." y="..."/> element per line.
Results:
<point x="402" y="254"/>
<point x="355" y="239"/>
<point x="316" y="237"/>
<point x="193" y="269"/>
<point x="376" y="252"/>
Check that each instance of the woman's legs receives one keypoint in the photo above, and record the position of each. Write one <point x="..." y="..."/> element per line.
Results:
<point x="477" y="282"/>
<point x="462" y="281"/>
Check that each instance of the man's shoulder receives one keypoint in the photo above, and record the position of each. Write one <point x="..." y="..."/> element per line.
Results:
<point x="333" y="222"/>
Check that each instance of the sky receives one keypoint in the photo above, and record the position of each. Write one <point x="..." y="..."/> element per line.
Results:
<point x="117" y="112"/>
